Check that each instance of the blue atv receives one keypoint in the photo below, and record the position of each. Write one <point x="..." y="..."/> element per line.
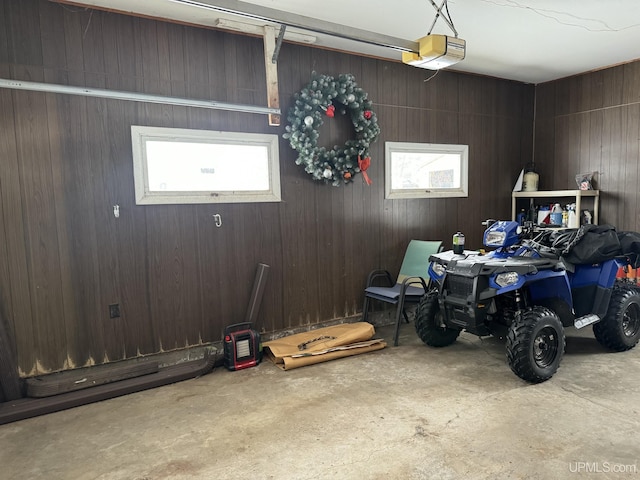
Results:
<point x="530" y="288"/>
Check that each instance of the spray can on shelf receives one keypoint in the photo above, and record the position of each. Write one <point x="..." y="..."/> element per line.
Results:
<point x="458" y="243"/>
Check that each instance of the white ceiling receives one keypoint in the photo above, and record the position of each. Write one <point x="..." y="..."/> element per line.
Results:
<point x="531" y="41"/>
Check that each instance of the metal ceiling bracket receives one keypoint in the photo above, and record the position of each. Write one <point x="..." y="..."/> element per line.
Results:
<point x="440" y="14"/>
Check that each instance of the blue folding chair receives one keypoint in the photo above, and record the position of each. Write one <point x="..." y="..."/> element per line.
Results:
<point x="410" y="285"/>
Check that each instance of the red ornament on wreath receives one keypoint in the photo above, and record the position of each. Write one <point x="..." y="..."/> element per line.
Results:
<point x="331" y="111"/>
<point x="367" y="114"/>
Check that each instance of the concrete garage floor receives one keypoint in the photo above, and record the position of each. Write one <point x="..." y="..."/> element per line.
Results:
<point x="409" y="412"/>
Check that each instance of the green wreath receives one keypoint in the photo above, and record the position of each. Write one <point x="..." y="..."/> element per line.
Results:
<point x="322" y="97"/>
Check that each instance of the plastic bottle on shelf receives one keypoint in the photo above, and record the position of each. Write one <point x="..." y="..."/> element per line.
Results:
<point x="544" y="215"/>
<point x="556" y="215"/>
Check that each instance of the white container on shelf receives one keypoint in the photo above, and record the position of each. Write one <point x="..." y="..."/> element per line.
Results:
<point x="556" y="214"/>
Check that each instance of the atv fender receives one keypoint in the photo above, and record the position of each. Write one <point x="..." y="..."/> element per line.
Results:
<point x="548" y="285"/>
<point x="543" y="285"/>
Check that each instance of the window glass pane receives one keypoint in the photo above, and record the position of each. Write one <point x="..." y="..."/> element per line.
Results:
<point x="188" y="167"/>
<point x="175" y="165"/>
<point x="425" y="170"/>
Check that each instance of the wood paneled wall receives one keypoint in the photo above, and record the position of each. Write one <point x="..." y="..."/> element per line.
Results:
<point x="591" y="123"/>
<point x="66" y="160"/>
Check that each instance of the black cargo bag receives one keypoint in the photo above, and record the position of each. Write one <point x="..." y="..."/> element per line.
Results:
<point x="630" y="246"/>
<point x="593" y="244"/>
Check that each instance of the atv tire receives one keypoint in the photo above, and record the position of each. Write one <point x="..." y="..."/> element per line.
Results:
<point x="428" y="323"/>
<point x="535" y="344"/>
<point x="619" y="330"/>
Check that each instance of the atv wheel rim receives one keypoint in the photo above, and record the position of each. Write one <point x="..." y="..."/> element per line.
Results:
<point x="545" y="347"/>
<point x="631" y="321"/>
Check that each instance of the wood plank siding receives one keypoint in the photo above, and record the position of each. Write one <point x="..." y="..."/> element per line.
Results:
<point x="591" y="123"/>
<point x="65" y="161"/>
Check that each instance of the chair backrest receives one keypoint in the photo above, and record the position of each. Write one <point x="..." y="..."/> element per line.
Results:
<point x="416" y="258"/>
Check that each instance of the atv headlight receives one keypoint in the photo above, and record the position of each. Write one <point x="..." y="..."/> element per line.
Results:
<point x="507" y="278"/>
<point x="438" y="268"/>
<point x="495" y="239"/>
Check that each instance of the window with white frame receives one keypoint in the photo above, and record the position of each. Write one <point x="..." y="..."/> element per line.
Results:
<point x="174" y="165"/>
<point x="426" y="170"/>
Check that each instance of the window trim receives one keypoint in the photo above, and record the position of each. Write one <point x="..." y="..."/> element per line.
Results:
<point x="141" y="134"/>
<point x="404" y="193"/>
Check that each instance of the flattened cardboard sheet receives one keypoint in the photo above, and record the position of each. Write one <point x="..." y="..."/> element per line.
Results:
<point x="322" y="344"/>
